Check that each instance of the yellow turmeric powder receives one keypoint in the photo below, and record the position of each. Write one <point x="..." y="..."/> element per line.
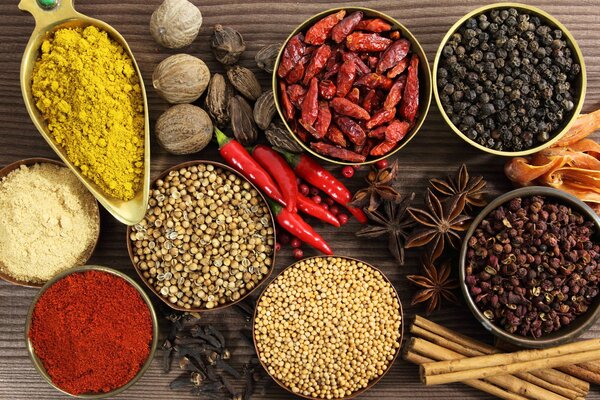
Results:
<point x="87" y="89"/>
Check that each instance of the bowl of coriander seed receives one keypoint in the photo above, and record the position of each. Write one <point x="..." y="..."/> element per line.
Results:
<point x="207" y="240"/>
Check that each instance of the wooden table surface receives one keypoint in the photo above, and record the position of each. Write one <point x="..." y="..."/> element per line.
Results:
<point x="433" y="152"/>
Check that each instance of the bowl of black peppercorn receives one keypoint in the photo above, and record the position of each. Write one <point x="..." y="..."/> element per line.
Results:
<point x="530" y="267"/>
<point x="509" y="79"/>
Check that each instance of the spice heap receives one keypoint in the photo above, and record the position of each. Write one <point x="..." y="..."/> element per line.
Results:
<point x="50" y="222"/>
<point x="507" y="79"/>
<point x="87" y="89"/>
<point x="532" y="266"/>
<point x="207" y="238"/>
<point x="92" y="331"/>
<point x="326" y="327"/>
<point x="355" y="84"/>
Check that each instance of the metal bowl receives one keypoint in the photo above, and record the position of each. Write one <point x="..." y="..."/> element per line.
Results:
<point x="582" y="323"/>
<point x="424" y="80"/>
<point x="89" y="251"/>
<point x="220" y="306"/>
<point x="37" y="363"/>
<point x="372" y="382"/>
<point x="64" y="15"/>
<point x="581" y="82"/>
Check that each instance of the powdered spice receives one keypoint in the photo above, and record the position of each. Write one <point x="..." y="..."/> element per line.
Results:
<point x="92" y="331"/>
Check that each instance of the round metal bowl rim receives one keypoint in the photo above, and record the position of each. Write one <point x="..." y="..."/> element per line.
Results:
<point x="423" y="107"/>
<point x="155" y="330"/>
<point x="220" y="306"/>
<point x="371" y="383"/>
<point x="4" y="171"/>
<point x="570" y="39"/>
<point x="567" y="334"/>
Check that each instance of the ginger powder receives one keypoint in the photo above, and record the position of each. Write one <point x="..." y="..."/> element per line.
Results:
<point x="87" y="89"/>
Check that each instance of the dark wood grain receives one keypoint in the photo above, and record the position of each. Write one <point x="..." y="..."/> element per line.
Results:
<point x="434" y="151"/>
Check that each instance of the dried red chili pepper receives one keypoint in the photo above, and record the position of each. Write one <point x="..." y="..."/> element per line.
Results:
<point x="361" y="67"/>
<point x="395" y="94"/>
<point x="329" y="72"/>
<point x="410" y="100"/>
<point x="382" y="116"/>
<point x="327" y="89"/>
<point x="373" y="61"/>
<point x="395" y="35"/>
<point x="337" y="152"/>
<point x="368" y="102"/>
<point x="323" y="119"/>
<point x="296" y="94"/>
<point x="382" y="148"/>
<point x="344" y="106"/>
<point x="376" y="25"/>
<point x="398" y="68"/>
<point x="311" y="129"/>
<point x="352" y="130"/>
<point x="367" y="147"/>
<point x="318" y="33"/>
<point x="292" y="53"/>
<point x="335" y="136"/>
<point x="310" y="105"/>
<point x="378" y="133"/>
<point x="288" y="107"/>
<point x="346" y="26"/>
<point x="296" y="73"/>
<point x="313" y="209"/>
<point x="393" y="55"/>
<point x="280" y="170"/>
<point x="360" y="41"/>
<point x="345" y="78"/>
<point x="354" y="95"/>
<point x="317" y="63"/>
<point x="300" y="131"/>
<point x="374" y="80"/>
<point x="396" y="131"/>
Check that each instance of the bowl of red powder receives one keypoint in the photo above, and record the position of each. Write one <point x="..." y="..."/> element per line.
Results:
<point x="91" y="332"/>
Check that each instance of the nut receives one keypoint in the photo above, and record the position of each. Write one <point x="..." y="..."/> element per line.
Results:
<point x="181" y="78"/>
<point x="184" y="129"/>
<point x="175" y="23"/>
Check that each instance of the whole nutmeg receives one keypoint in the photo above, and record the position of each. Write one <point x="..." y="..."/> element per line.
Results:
<point x="184" y="129"/>
<point x="245" y="82"/>
<point x="227" y="44"/>
<point x="218" y="94"/>
<point x="175" y="23"/>
<point x="181" y="78"/>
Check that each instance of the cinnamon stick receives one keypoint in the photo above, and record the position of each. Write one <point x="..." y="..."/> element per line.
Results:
<point x="581" y="371"/>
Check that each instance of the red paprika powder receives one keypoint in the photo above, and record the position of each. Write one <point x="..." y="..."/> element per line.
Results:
<point x="92" y="331"/>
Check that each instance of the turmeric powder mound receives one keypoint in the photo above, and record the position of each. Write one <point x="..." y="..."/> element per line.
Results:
<point x="88" y="91"/>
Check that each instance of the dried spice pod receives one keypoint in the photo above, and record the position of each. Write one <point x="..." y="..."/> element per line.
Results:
<point x="218" y="95"/>
<point x="264" y="109"/>
<point x="266" y="56"/>
<point x="227" y="44"/>
<point x="280" y="137"/>
<point x="242" y="121"/>
<point x="245" y="82"/>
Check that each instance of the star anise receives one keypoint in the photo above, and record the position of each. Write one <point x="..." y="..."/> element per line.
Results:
<point x="440" y="224"/>
<point x="395" y="222"/>
<point x="436" y="285"/>
<point x="473" y="188"/>
<point x="380" y="187"/>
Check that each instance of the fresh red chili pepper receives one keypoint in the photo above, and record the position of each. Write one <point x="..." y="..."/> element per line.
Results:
<point x="313" y="209"/>
<point x="395" y="94"/>
<point x="297" y="73"/>
<point x="323" y="119"/>
<point x="318" y="33"/>
<point x="344" y="106"/>
<point x="292" y="53"/>
<point x="393" y="55"/>
<point x="337" y="152"/>
<point x="345" y="78"/>
<point x="310" y="170"/>
<point x="335" y="136"/>
<point x="410" y="100"/>
<point x="352" y="130"/>
<point x="295" y="225"/>
<point x="310" y="105"/>
<point x="288" y="107"/>
<point x="317" y="63"/>
<point x="280" y="170"/>
<point x="361" y="67"/>
<point x="360" y="41"/>
<point x="376" y="25"/>
<point x="382" y="116"/>
<point x="296" y="94"/>
<point x="398" y="68"/>
<point x="346" y="26"/>
<point x="354" y="95"/>
<point x="374" y="80"/>
<point x="327" y="89"/>
<point x="238" y="157"/>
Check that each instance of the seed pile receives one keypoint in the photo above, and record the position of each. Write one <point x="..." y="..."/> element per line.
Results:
<point x="327" y="326"/>
<point x="207" y="238"/>
<point x="507" y="79"/>
<point x="533" y="266"/>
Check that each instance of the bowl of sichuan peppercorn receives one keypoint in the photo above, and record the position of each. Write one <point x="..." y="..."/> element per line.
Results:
<point x="352" y="85"/>
<point x="509" y="79"/>
<point x="530" y="266"/>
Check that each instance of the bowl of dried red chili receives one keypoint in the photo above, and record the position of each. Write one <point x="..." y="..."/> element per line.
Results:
<point x="352" y="85"/>
<point x="91" y="332"/>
